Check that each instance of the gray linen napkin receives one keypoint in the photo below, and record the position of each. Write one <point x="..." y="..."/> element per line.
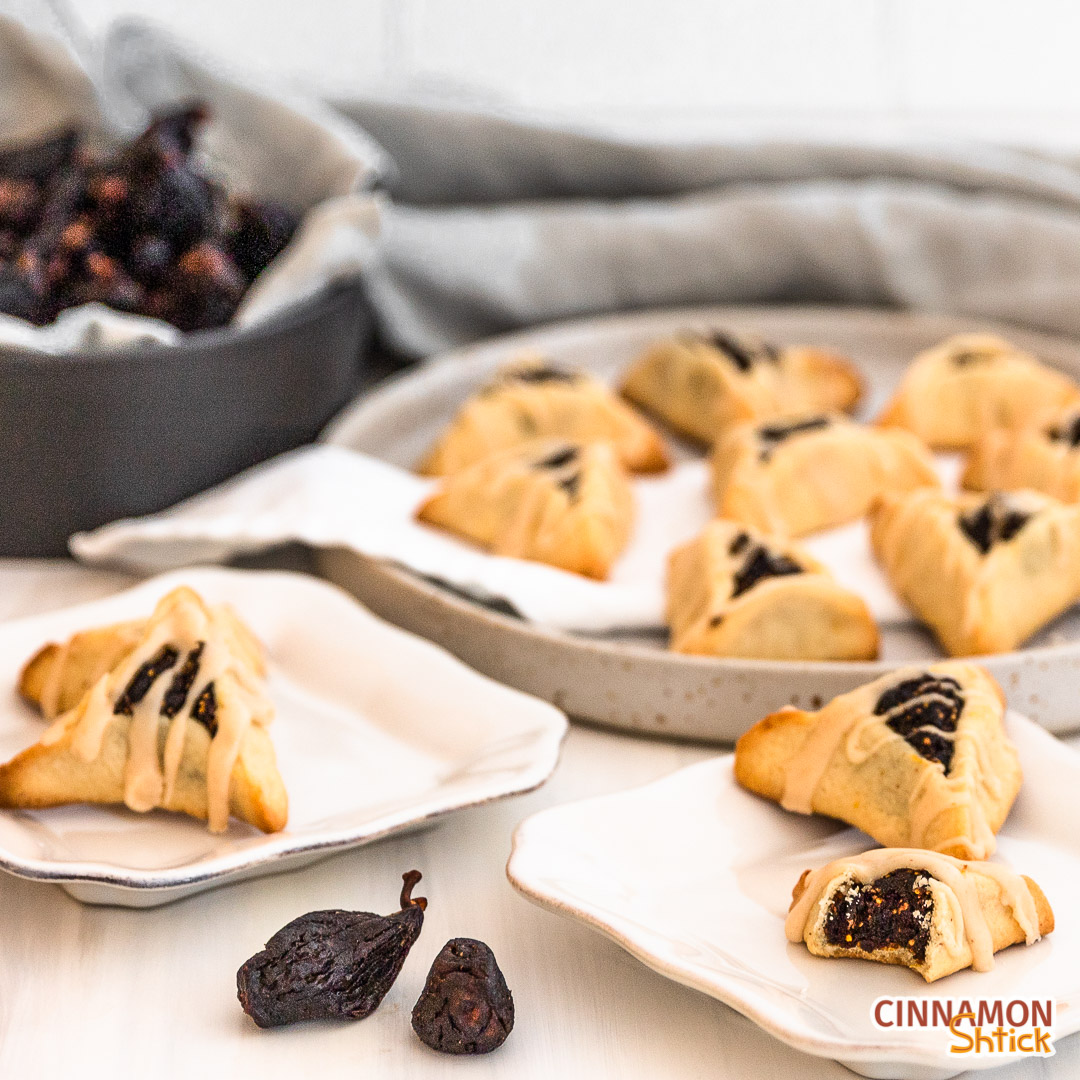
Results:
<point x="497" y="223"/>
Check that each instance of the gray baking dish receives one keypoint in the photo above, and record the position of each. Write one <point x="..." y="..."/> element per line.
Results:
<point x="91" y="436"/>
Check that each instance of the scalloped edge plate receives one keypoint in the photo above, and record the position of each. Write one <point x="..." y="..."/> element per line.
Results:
<point x="345" y="687"/>
<point x="692" y="875"/>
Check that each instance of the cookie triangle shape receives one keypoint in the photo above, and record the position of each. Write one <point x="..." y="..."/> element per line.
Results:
<point x="984" y="572"/>
<point x="178" y="720"/>
<point x="566" y="504"/>
<point x="700" y="384"/>
<point x="955" y="391"/>
<point x="925" y="911"/>
<point x="1044" y="458"/>
<point x="793" y="477"/>
<point x="918" y="758"/>
<point x="530" y="399"/>
<point x="736" y="592"/>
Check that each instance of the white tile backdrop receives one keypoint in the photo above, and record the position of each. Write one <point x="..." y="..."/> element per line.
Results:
<point x="994" y="68"/>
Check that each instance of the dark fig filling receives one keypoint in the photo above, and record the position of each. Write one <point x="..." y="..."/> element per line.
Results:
<point x="204" y="711"/>
<point x="565" y="456"/>
<point x="1069" y="432"/>
<point x="760" y="564"/>
<point x="776" y="433"/>
<point x="909" y="689"/>
<point x="743" y="354"/>
<point x="143" y="679"/>
<point x="770" y="436"/>
<point x="540" y="374"/>
<point x="929" y="711"/>
<point x="739" y="543"/>
<point x="972" y="356"/>
<point x="995" y="522"/>
<point x="571" y="485"/>
<point x="926" y="743"/>
<point x="560" y="459"/>
<point x="893" y="911"/>
<point x="182" y="682"/>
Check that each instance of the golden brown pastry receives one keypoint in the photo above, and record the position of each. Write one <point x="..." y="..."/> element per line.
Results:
<point x="953" y="393"/>
<point x="701" y="384"/>
<point x="177" y="719"/>
<point x="734" y="592"/>
<point x="1045" y="459"/>
<point x="918" y="758"/>
<point x="531" y="400"/>
<point x="562" y="503"/>
<point x="984" y="572"/>
<point x="924" y="911"/>
<point x="792" y="477"/>
<point x="57" y="676"/>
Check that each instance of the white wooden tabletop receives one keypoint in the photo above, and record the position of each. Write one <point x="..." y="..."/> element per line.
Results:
<point x="95" y="992"/>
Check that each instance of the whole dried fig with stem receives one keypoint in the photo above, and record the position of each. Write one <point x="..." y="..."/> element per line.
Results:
<point x="330" y="965"/>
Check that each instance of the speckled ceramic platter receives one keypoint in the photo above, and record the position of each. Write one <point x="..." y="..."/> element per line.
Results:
<point x="632" y="681"/>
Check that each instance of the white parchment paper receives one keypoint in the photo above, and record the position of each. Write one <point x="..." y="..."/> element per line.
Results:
<point x="327" y="496"/>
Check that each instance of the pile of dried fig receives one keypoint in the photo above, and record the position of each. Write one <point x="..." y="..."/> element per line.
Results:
<point x="140" y="229"/>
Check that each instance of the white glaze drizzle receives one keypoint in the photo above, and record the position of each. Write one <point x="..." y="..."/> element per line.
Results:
<point x="955" y="874"/>
<point x="863" y="733"/>
<point x="228" y="662"/>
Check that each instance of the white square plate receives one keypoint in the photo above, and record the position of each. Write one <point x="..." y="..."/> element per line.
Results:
<point x="376" y="731"/>
<point x="693" y="876"/>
